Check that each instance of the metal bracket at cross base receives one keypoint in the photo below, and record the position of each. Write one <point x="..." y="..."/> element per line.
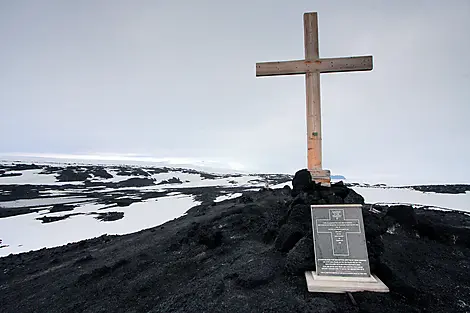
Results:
<point x="321" y="176"/>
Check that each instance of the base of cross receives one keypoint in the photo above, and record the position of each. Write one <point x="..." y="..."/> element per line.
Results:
<point x="321" y="176"/>
<point x="341" y="284"/>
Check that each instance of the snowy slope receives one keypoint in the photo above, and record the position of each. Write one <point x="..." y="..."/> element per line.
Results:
<point x="28" y="223"/>
<point x="116" y="199"/>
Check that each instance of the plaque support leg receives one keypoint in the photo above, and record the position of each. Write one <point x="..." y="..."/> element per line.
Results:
<point x="341" y="284"/>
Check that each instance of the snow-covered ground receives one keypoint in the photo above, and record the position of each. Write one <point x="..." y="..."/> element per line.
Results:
<point x="460" y="202"/>
<point x="390" y="195"/>
<point x="25" y="232"/>
<point x="34" y="178"/>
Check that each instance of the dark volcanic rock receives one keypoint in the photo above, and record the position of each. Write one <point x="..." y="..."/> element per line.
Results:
<point x="24" y="167"/>
<point x="157" y="170"/>
<point x="100" y="172"/>
<point x="288" y="236"/>
<point x="16" y="192"/>
<point x="118" y="200"/>
<point x="173" y="180"/>
<point x="10" y="174"/>
<point x="109" y="216"/>
<point x="209" y="237"/>
<point x="208" y="176"/>
<point x="46" y="170"/>
<point x="135" y="182"/>
<point x="301" y="258"/>
<point x="73" y="174"/>
<point x="302" y="182"/>
<point x="256" y="271"/>
<point x="353" y="198"/>
<point x="450" y="228"/>
<point x="49" y="219"/>
<point x="246" y="255"/>
<point x="453" y="189"/>
<point x="403" y="214"/>
<point x="7" y="212"/>
<point x="131" y="171"/>
<point x="125" y="201"/>
<point x="61" y="208"/>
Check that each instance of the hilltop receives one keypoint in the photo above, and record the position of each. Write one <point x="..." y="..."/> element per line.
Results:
<point x="247" y="255"/>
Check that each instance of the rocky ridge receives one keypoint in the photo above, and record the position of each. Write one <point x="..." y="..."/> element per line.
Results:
<point x="247" y="255"/>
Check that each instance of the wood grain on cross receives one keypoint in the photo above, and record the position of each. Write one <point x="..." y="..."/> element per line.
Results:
<point x="312" y="66"/>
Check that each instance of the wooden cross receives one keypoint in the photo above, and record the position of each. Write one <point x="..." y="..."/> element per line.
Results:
<point x="312" y="66"/>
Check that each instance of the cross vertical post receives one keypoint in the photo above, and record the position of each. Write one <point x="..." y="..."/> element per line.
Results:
<point x="312" y="66"/>
<point x="312" y="88"/>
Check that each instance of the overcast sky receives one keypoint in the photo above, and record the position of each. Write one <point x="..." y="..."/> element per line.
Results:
<point x="177" y="79"/>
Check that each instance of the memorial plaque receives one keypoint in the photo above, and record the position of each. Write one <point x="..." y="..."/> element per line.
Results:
<point x="339" y="241"/>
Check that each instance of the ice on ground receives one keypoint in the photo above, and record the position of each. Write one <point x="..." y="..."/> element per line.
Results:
<point x="39" y="202"/>
<point x="228" y="197"/>
<point x="24" y="233"/>
<point x="195" y="180"/>
<point x="459" y="202"/>
<point x="32" y="177"/>
<point x="277" y="186"/>
<point x="115" y="179"/>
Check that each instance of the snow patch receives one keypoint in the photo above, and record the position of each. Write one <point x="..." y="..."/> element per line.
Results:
<point x="460" y="202"/>
<point x="24" y="233"/>
<point x="228" y="197"/>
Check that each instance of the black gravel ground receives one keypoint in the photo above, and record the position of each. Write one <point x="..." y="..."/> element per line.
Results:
<point x="247" y="255"/>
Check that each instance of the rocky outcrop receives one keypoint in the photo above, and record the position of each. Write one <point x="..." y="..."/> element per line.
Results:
<point x="173" y="180"/>
<point x="135" y="182"/>
<point x="452" y="189"/>
<point x="109" y="216"/>
<point x="131" y="171"/>
<point x="73" y="174"/>
<point x="10" y="174"/>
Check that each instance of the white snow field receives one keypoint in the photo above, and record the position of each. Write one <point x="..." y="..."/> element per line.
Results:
<point x="460" y="202"/>
<point x="25" y="232"/>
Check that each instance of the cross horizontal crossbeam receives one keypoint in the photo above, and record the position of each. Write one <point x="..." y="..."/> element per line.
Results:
<point x="326" y="65"/>
<point x="311" y="67"/>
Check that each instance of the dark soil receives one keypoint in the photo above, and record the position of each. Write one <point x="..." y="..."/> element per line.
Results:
<point x="247" y="255"/>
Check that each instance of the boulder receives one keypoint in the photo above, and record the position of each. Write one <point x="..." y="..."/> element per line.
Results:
<point x="302" y="182"/>
<point x="301" y="258"/>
